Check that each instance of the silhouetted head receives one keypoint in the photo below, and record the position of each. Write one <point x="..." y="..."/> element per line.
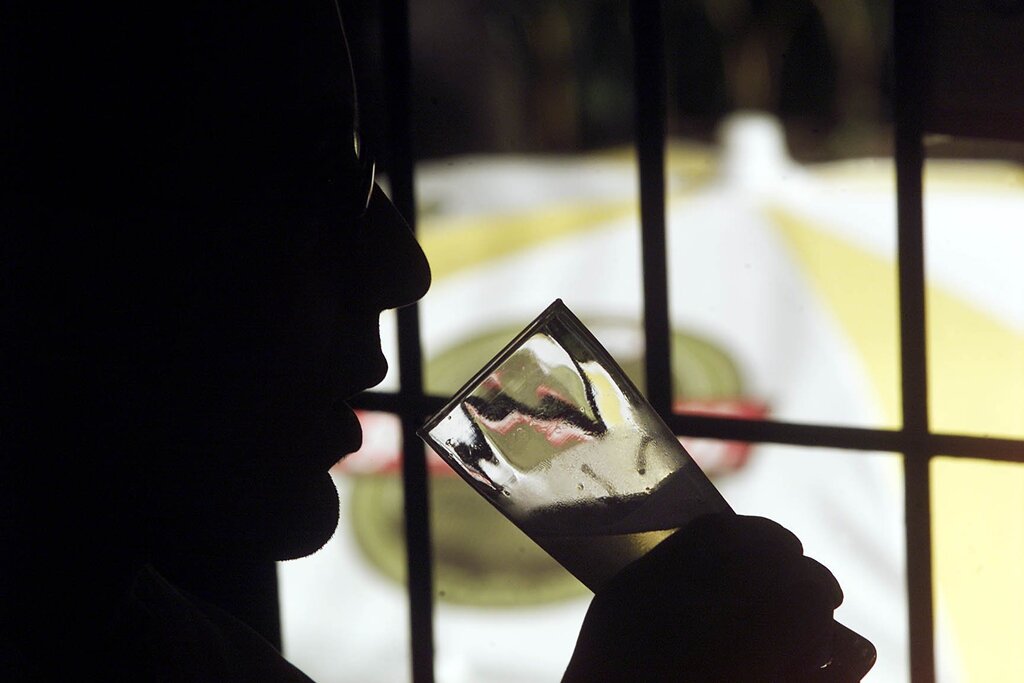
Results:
<point x="196" y="277"/>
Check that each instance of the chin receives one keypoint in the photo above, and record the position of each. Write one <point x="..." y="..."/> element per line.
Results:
<point x="289" y="519"/>
<point x="305" y="524"/>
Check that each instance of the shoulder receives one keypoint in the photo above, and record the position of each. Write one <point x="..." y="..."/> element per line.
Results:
<point x="170" y="636"/>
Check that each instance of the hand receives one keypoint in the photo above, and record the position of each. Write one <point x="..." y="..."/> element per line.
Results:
<point x="727" y="598"/>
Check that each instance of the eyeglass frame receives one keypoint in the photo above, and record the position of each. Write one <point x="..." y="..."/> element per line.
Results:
<point x="366" y="162"/>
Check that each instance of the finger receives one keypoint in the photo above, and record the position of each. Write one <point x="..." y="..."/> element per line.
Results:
<point x="788" y="574"/>
<point x="776" y="567"/>
<point x="726" y="538"/>
<point x="819" y="572"/>
<point x="725" y="554"/>
<point x="765" y="532"/>
<point x="802" y="630"/>
<point x="851" y="657"/>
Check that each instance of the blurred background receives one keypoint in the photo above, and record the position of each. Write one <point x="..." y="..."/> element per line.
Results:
<point x="783" y="302"/>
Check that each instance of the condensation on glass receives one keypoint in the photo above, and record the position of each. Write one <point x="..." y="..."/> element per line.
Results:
<point x="555" y="435"/>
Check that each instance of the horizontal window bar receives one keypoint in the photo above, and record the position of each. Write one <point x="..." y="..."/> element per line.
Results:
<point x="766" y="431"/>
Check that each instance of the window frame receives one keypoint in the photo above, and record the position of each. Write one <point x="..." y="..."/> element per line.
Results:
<point x="915" y="440"/>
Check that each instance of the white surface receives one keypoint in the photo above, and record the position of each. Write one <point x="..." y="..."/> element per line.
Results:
<point x="734" y="282"/>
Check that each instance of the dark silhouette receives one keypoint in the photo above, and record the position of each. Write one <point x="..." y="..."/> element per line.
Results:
<point x="192" y="280"/>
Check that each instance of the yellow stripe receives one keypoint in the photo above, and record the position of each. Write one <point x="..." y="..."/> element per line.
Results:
<point x="978" y="385"/>
<point x="454" y="243"/>
<point x="976" y="371"/>
<point x="860" y="289"/>
<point x="948" y="176"/>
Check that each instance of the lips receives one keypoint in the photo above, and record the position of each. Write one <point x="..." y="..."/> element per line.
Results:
<point x="357" y="362"/>
<point x="370" y="374"/>
<point x="352" y="437"/>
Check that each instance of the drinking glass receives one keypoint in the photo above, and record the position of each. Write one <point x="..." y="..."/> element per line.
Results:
<point x="555" y="435"/>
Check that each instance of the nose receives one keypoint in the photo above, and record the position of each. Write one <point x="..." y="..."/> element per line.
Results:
<point x="396" y="267"/>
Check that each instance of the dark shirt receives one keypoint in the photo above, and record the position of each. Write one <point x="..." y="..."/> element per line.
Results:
<point x="169" y="635"/>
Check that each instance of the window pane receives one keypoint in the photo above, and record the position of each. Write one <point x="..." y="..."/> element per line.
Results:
<point x="782" y="254"/>
<point x="545" y="206"/>
<point x="793" y="295"/>
<point x="978" y="551"/>
<point x="974" y="232"/>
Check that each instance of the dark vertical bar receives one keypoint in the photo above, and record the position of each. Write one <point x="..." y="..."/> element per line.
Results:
<point x="398" y="76"/>
<point x="917" y="506"/>
<point x="910" y="77"/>
<point x="649" y="98"/>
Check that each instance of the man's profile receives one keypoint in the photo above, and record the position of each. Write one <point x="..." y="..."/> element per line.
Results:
<point x="196" y="258"/>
